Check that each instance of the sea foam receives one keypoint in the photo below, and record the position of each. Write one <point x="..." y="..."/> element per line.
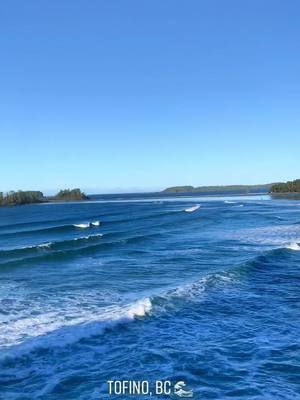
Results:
<point x="87" y="224"/>
<point x="95" y="223"/>
<point x="82" y="226"/>
<point x="192" y="209"/>
<point x="50" y="331"/>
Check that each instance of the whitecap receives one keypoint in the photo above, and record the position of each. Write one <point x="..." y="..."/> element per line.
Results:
<point x="33" y="246"/>
<point x="89" y="236"/>
<point x="85" y="225"/>
<point x="95" y="223"/>
<point x="44" y="245"/>
<point x="192" y="209"/>
<point x="293" y="246"/>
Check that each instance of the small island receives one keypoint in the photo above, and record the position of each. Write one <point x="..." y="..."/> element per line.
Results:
<point x="70" y="195"/>
<point x="20" y="197"/>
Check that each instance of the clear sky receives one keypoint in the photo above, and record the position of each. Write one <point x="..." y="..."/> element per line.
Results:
<point x="116" y="95"/>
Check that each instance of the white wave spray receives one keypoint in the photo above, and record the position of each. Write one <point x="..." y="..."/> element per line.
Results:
<point x="192" y="209"/>
<point x="293" y="246"/>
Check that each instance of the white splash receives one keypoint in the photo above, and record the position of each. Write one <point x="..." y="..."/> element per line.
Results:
<point x="82" y="226"/>
<point x="192" y="209"/>
<point x="95" y="223"/>
<point x="293" y="246"/>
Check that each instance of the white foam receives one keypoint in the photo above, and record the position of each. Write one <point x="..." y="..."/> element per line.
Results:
<point x="229" y="202"/>
<point x="89" y="236"/>
<point x="293" y="246"/>
<point x="45" y="245"/>
<point x="192" y="209"/>
<point x="85" y="225"/>
<point x="139" y="309"/>
<point x="195" y="290"/>
<point x="275" y="236"/>
<point x="58" y="328"/>
<point x="191" y="290"/>
<point x="33" y="246"/>
<point x="60" y="322"/>
<point x="96" y="223"/>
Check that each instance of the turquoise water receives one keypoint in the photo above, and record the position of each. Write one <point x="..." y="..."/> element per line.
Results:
<point x="140" y="289"/>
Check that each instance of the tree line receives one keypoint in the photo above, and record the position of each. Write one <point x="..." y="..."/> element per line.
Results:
<point x="70" y="194"/>
<point x="21" y="197"/>
<point x="287" y="187"/>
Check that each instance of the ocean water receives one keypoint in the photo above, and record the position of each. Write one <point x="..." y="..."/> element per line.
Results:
<point x="141" y="289"/>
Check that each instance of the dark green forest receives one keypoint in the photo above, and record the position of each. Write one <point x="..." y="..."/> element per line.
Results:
<point x="70" y="194"/>
<point x="287" y="187"/>
<point x="243" y="189"/>
<point x="20" y="197"/>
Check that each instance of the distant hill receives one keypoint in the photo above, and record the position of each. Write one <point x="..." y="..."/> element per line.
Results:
<point x="241" y="189"/>
<point x="287" y="187"/>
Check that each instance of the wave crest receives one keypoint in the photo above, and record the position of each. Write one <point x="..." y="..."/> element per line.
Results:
<point x="293" y="246"/>
<point x="87" y="224"/>
<point x="45" y="332"/>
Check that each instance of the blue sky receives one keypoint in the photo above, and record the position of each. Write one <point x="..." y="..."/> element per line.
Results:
<point x="122" y="95"/>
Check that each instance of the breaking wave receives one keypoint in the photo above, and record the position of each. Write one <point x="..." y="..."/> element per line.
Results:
<point x="293" y="246"/>
<point x="49" y="330"/>
<point x="46" y="332"/>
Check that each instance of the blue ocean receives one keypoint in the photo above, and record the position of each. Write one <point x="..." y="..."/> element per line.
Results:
<point x="204" y="290"/>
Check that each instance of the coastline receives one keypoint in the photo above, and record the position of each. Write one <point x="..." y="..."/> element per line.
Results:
<point x="157" y="195"/>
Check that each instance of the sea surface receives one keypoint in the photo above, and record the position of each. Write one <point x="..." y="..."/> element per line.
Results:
<point x="151" y="288"/>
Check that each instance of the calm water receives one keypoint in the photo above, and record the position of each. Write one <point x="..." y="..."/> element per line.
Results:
<point x="210" y="297"/>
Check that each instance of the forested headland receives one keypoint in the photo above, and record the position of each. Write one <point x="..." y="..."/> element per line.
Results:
<point x="240" y="189"/>
<point x="287" y="187"/>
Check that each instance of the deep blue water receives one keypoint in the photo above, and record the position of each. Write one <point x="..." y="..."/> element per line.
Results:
<point x="210" y="297"/>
